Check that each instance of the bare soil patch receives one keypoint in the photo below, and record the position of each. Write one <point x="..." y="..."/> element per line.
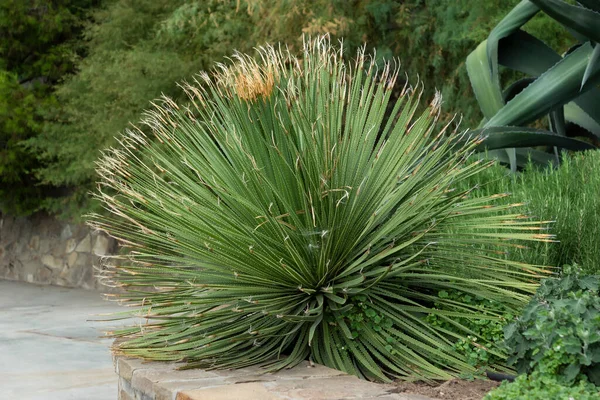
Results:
<point x="455" y="389"/>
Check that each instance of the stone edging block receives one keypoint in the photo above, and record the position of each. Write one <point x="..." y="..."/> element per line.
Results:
<point x="139" y="380"/>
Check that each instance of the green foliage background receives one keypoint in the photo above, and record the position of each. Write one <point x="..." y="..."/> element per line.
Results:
<point x="135" y="50"/>
<point x="39" y="46"/>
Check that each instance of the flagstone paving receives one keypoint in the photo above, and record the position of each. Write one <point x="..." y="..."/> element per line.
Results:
<point x="49" y="350"/>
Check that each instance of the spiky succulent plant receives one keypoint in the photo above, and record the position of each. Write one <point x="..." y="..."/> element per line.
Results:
<point x="287" y="213"/>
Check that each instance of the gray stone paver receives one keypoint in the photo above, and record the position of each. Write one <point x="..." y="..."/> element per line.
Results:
<point x="48" y="348"/>
<point x="162" y="381"/>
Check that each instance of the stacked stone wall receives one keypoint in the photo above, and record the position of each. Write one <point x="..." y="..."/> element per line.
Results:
<point x="44" y="250"/>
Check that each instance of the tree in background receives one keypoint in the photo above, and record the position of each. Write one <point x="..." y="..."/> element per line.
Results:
<point x="37" y="49"/>
<point x="137" y="50"/>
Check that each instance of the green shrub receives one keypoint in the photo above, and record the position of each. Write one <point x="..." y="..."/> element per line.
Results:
<point x="538" y="386"/>
<point x="566" y="195"/>
<point x="291" y="211"/>
<point x="137" y="50"/>
<point x="558" y="335"/>
<point x="20" y="192"/>
<point x="36" y="51"/>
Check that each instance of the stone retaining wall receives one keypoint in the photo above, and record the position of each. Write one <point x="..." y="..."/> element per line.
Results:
<point x="162" y="381"/>
<point x="41" y="249"/>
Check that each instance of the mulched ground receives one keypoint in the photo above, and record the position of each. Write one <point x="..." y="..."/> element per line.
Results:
<point x="456" y="389"/>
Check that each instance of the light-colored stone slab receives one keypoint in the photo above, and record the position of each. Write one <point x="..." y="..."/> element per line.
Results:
<point x="85" y="245"/>
<point x="330" y="388"/>
<point x="70" y="245"/>
<point x="401" y="397"/>
<point x="49" y="348"/>
<point x="52" y="262"/>
<point x="40" y="249"/>
<point x="160" y="381"/>
<point x="126" y="366"/>
<point x="72" y="259"/>
<point x="169" y="390"/>
<point x="101" y="245"/>
<point x="307" y="370"/>
<point x="244" y="391"/>
<point x="66" y="232"/>
<point x="34" y="243"/>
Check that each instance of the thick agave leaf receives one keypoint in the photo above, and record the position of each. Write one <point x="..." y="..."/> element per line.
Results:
<point x="525" y="53"/>
<point x="499" y="137"/>
<point x="286" y="212"/>
<point x="485" y="84"/>
<point x="594" y="64"/>
<point x="509" y="46"/>
<point x="510" y="24"/>
<point x="557" y="122"/>
<point x="590" y="4"/>
<point x="522" y="156"/>
<point x="556" y="87"/>
<point x="531" y="56"/>
<point x="589" y="103"/>
<point x="583" y="20"/>
<point x="575" y="114"/>
<point x="515" y="88"/>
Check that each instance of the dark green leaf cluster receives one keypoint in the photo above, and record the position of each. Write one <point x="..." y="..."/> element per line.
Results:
<point x="557" y="334"/>
<point x="561" y="87"/>
<point x="538" y="386"/>
<point x="361" y="317"/>
<point x="19" y="190"/>
<point x="483" y="345"/>
<point x="39" y="47"/>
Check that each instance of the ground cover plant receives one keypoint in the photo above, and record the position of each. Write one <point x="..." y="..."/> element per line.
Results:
<point x="292" y="210"/>
<point x="483" y="346"/>
<point x="557" y="334"/>
<point x="538" y="386"/>
<point x="555" y="343"/>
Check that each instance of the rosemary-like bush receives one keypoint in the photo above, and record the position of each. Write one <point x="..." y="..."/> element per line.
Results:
<point x="567" y="195"/>
<point x="287" y="213"/>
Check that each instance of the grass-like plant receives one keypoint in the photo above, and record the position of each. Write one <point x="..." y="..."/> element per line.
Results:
<point x="567" y="195"/>
<point x="290" y="212"/>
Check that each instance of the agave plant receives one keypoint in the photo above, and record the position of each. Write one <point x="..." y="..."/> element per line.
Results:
<point x="563" y="88"/>
<point x="287" y="213"/>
